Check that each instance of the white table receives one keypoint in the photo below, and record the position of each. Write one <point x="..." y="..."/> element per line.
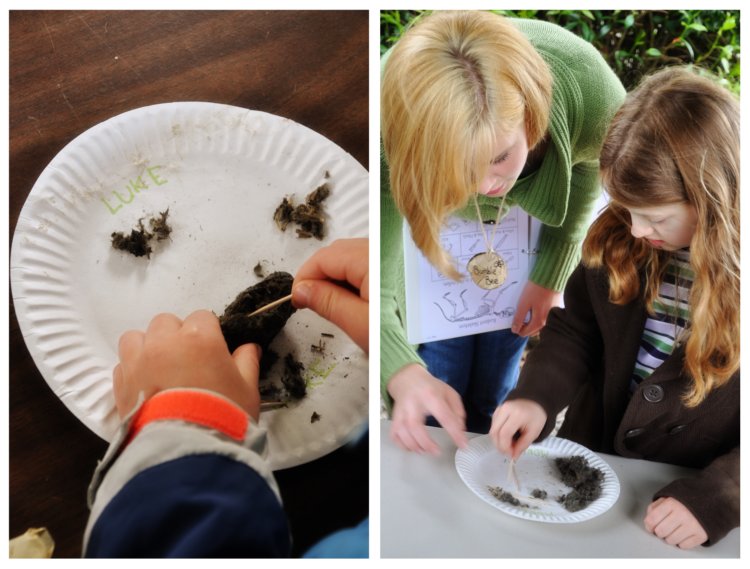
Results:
<point x="426" y="511"/>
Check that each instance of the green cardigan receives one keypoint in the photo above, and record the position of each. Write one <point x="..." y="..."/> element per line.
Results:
<point x="561" y="193"/>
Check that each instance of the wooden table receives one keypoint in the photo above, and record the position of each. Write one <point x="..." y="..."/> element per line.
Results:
<point x="70" y="70"/>
<point x="426" y="511"/>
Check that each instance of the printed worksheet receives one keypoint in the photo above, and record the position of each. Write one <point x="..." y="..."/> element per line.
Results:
<point x="438" y="307"/>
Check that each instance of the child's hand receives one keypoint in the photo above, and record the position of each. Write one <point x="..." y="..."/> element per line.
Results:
<point x="518" y="416"/>
<point x="191" y="353"/>
<point x="416" y="395"/>
<point x="315" y="287"/>
<point x="671" y="521"/>
<point x="537" y="300"/>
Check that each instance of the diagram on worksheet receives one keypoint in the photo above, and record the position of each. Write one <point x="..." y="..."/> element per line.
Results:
<point x="438" y="307"/>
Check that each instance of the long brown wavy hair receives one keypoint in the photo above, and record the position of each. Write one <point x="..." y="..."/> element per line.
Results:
<point x="676" y="139"/>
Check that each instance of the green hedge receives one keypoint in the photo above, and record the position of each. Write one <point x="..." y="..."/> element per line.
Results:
<point x="634" y="42"/>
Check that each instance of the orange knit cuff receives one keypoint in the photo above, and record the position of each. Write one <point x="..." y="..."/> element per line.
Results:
<point x="196" y="407"/>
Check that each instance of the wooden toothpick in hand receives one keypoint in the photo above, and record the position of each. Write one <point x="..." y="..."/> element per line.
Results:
<point x="270" y="305"/>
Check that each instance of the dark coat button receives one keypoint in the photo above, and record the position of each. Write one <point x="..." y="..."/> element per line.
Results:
<point x="634" y="432"/>
<point x="677" y="429"/>
<point x="653" y="393"/>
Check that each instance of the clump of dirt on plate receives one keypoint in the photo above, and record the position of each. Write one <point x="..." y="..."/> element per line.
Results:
<point x="308" y="216"/>
<point x="539" y="494"/>
<point x="239" y="328"/>
<point x="585" y="481"/>
<point x="259" y="270"/>
<point x="138" y="242"/>
<point x="292" y="378"/>
<point x="283" y="214"/>
<point x="160" y="227"/>
<point x="292" y="387"/>
<point x="507" y="497"/>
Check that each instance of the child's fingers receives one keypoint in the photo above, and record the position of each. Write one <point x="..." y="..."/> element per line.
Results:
<point x="499" y="418"/>
<point x="654" y="504"/>
<point x="423" y="440"/>
<point x="662" y="522"/>
<point x="164" y="323"/>
<point x="448" y="410"/>
<point x="202" y="321"/>
<point x="678" y="535"/>
<point x="666" y="527"/>
<point x="535" y="323"/>
<point x="505" y="428"/>
<point x="247" y="360"/>
<point x="671" y="521"/>
<point x="515" y="425"/>
<point x="343" y="260"/>
<point x="518" y="320"/>
<point x="691" y="542"/>
<point x="507" y="436"/>
<point x="526" y="330"/>
<point x="410" y="434"/>
<point x="655" y="513"/>
<point x="130" y="344"/>
<point x="524" y="441"/>
<point x="336" y="304"/>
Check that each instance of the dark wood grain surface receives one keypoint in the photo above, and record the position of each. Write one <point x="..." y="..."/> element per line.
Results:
<point x="70" y="70"/>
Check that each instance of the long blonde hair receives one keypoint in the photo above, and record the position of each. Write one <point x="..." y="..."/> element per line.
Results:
<point x="452" y="84"/>
<point x="676" y="139"/>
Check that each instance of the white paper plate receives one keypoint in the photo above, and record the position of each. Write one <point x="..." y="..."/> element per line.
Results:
<point x="221" y="171"/>
<point x="480" y="465"/>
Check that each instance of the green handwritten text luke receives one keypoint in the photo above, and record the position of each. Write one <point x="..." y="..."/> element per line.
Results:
<point x="134" y="187"/>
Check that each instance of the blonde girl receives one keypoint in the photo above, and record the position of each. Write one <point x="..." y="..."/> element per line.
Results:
<point x="508" y="112"/>
<point x="646" y="351"/>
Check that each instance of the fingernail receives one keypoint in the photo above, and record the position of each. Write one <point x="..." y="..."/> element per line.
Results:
<point x="301" y="294"/>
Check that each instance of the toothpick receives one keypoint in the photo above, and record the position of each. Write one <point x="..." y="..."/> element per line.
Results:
<point x="270" y="305"/>
<point x="512" y="474"/>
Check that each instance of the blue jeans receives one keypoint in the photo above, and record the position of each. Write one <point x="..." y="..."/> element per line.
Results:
<point x="483" y="368"/>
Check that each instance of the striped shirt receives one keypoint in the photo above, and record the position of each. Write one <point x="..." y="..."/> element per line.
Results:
<point x="671" y="317"/>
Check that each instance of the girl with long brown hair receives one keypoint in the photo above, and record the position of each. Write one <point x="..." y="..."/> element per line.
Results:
<point x="646" y="352"/>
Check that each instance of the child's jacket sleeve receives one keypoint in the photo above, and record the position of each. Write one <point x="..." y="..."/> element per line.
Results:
<point x="186" y="476"/>
<point x="712" y="496"/>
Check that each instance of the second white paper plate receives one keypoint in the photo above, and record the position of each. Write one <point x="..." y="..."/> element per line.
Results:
<point x="480" y="466"/>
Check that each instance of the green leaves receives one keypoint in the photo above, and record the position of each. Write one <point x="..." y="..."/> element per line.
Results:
<point x="634" y="42"/>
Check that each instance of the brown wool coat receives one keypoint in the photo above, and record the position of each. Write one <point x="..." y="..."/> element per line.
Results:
<point x="585" y="359"/>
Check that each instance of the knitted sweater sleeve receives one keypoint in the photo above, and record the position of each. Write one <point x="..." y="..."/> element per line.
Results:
<point x="559" y="246"/>
<point x="395" y="350"/>
<point x="562" y="195"/>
